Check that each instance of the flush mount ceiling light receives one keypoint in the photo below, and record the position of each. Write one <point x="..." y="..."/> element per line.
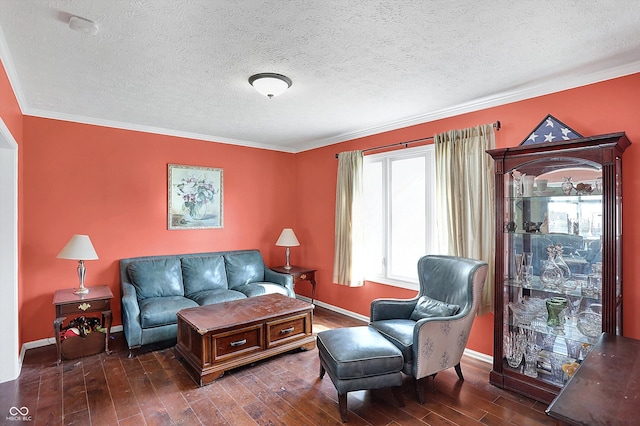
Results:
<point x="270" y="84"/>
<point x="82" y="25"/>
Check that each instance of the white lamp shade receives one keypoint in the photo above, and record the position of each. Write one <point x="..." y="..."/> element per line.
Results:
<point x="79" y="247"/>
<point x="287" y="238"/>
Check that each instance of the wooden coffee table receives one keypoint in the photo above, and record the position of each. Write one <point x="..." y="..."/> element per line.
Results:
<point x="222" y="336"/>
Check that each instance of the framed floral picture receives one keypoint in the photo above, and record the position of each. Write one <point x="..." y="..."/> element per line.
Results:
<point x="195" y="197"/>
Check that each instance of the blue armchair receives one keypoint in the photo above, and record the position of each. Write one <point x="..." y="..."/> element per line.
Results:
<point x="432" y="328"/>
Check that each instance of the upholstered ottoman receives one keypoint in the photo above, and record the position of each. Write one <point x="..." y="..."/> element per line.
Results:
<point x="359" y="358"/>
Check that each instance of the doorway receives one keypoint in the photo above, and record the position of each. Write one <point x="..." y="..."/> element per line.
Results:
<point x="9" y="350"/>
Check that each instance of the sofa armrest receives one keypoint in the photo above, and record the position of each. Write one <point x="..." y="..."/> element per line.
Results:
<point x="285" y="280"/>
<point x="383" y="309"/>
<point x="130" y="310"/>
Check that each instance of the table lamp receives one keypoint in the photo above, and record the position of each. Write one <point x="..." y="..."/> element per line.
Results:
<point x="79" y="248"/>
<point x="287" y="239"/>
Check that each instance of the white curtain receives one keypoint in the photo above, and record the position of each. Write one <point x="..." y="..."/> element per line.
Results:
<point x="349" y="234"/>
<point x="465" y="199"/>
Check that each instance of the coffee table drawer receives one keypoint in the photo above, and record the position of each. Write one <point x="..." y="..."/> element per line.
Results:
<point x="287" y="329"/>
<point x="237" y="342"/>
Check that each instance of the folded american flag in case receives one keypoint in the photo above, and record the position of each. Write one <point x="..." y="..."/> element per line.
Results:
<point x="551" y="129"/>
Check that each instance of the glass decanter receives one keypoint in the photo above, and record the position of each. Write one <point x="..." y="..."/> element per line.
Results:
<point x="550" y="273"/>
<point x="562" y="265"/>
<point x="567" y="185"/>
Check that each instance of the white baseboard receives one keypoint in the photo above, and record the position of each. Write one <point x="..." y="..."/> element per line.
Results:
<point x="468" y="352"/>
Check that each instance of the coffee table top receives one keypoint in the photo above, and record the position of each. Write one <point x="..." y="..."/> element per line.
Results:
<point x="230" y="314"/>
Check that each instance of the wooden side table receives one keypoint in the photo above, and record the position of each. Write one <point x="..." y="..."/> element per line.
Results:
<point x="300" y="273"/>
<point x="69" y="304"/>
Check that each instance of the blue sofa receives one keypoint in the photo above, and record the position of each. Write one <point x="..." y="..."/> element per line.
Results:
<point x="155" y="288"/>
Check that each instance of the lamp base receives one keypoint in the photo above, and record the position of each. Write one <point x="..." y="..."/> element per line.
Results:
<point x="81" y="290"/>
<point x="287" y="266"/>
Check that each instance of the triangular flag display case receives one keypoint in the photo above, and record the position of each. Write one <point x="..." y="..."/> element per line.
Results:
<point x="550" y="129"/>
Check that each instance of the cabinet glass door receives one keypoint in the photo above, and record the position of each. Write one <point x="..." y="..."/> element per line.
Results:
<point x="553" y="271"/>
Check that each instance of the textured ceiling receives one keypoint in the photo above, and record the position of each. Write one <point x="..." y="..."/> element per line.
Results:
<point x="358" y="67"/>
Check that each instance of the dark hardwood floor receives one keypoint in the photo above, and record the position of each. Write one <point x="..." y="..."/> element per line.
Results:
<point x="154" y="389"/>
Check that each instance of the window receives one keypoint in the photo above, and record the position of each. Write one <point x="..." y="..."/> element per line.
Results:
<point x="399" y="210"/>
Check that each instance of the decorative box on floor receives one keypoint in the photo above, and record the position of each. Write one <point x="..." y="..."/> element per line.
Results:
<point x="78" y="346"/>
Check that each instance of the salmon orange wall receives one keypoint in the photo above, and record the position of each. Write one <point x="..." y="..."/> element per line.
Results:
<point x="601" y="108"/>
<point x="9" y="108"/>
<point x="112" y="185"/>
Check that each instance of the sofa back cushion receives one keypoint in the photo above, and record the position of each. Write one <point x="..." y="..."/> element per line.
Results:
<point x="203" y="273"/>
<point x="156" y="278"/>
<point x="244" y="268"/>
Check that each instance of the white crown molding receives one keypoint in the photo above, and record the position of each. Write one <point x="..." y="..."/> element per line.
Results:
<point x="150" y="129"/>
<point x="12" y="75"/>
<point x="525" y="92"/>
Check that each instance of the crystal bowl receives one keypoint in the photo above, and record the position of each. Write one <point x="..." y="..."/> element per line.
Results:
<point x="589" y="323"/>
<point x="526" y="313"/>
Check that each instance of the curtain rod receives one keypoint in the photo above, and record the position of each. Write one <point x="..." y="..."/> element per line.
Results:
<point x="495" y="125"/>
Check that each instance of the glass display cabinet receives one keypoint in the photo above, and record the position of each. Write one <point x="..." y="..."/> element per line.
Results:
<point x="558" y="258"/>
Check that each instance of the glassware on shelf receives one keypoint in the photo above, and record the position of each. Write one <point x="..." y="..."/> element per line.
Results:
<point x="527" y="269"/>
<point x="517" y="182"/>
<point x="550" y="273"/>
<point x="598" y="184"/>
<point x="574" y="348"/>
<point x="514" y="345"/>
<point x="595" y="283"/>
<point x="581" y="280"/>
<point x="562" y="265"/>
<point x="556" y="309"/>
<point x="526" y="313"/>
<point x="589" y="323"/>
<point x="519" y="264"/>
<point x="546" y="341"/>
<point x="531" y="354"/>
<point x="557" y="372"/>
<point x="567" y="185"/>
<point x="531" y="360"/>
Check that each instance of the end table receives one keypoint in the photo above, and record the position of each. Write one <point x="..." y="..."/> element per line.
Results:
<point x="67" y="303"/>
<point x="300" y="273"/>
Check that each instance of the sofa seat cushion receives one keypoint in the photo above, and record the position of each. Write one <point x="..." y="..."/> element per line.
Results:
<point x="156" y="311"/>
<point x="203" y="273"/>
<point x="244" y="268"/>
<point x="156" y="278"/>
<point x="260" y="288"/>
<point x="400" y="333"/>
<point x="209" y="297"/>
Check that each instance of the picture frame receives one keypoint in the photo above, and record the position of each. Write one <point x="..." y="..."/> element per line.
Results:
<point x="195" y="197"/>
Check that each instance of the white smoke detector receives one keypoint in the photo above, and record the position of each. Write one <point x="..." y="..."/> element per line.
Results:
<point x="82" y="25"/>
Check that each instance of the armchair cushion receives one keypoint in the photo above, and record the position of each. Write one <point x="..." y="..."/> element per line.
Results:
<point x="156" y="278"/>
<point x="428" y="307"/>
<point x="400" y="333"/>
